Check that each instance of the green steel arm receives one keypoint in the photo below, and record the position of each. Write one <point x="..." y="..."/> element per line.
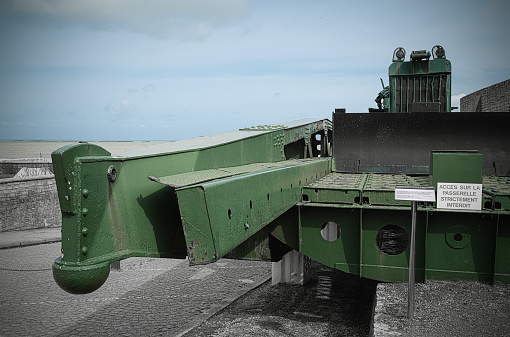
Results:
<point x="111" y="211"/>
<point x="219" y="215"/>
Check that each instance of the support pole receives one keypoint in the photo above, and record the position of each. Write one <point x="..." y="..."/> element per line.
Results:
<point x="412" y="258"/>
<point x="293" y="268"/>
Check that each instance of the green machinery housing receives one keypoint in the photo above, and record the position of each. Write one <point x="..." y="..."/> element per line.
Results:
<point x="418" y="85"/>
<point x="323" y="188"/>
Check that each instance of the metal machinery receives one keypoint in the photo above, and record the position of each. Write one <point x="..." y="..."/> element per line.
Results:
<point x="324" y="189"/>
<point x="418" y="85"/>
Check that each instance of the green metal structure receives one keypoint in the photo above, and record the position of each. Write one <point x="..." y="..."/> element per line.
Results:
<point x="418" y="85"/>
<point x="201" y="198"/>
<point x="259" y="192"/>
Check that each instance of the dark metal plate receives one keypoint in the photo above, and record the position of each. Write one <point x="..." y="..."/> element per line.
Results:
<point x="402" y="142"/>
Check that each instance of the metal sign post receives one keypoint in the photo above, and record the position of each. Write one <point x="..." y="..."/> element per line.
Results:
<point x="412" y="258"/>
<point x="413" y="194"/>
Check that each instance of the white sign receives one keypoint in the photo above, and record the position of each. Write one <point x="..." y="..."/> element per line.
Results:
<point x="459" y="196"/>
<point x="415" y="193"/>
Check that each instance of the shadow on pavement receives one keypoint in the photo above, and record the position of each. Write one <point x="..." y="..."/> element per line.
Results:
<point x="333" y="303"/>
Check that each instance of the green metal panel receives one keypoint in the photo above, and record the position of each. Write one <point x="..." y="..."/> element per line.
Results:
<point x="197" y="177"/>
<point x="272" y="242"/>
<point x="342" y="253"/>
<point x="455" y="167"/>
<point x="229" y="218"/>
<point x="460" y="246"/>
<point x="502" y="251"/>
<point x="285" y="229"/>
<point x="472" y="245"/>
<point x="257" y="248"/>
<point x="63" y="167"/>
<point x="385" y="243"/>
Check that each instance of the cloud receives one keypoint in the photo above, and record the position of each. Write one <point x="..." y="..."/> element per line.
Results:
<point x="176" y="19"/>
<point x="124" y="110"/>
<point x="456" y="100"/>
<point x="144" y="90"/>
<point x="275" y="95"/>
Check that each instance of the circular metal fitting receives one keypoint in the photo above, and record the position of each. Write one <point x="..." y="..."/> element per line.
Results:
<point x="112" y="174"/>
<point x="458" y="237"/>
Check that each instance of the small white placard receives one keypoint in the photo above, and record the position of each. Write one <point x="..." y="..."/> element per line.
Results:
<point x="415" y="193"/>
<point x="459" y="196"/>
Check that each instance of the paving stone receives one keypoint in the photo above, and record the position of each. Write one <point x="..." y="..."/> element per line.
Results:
<point x="146" y="297"/>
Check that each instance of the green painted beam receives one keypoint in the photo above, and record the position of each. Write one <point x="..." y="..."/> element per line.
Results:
<point x="219" y="215"/>
<point x="111" y="210"/>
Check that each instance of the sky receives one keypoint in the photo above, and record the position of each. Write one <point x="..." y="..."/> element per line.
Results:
<point x="176" y="69"/>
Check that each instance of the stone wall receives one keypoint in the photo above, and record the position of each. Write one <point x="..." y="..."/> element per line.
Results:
<point x="9" y="167"/>
<point x="29" y="203"/>
<point x="491" y="99"/>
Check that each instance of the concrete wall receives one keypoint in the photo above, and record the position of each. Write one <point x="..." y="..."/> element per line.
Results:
<point x="28" y="203"/>
<point x="491" y="99"/>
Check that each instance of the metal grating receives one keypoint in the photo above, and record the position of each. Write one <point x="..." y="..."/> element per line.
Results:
<point x="344" y="181"/>
<point x="425" y="93"/>
<point x="336" y="188"/>
<point x="380" y="188"/>
<point x="498" y="190"/>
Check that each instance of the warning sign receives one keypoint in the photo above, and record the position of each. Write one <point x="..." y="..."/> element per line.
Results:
<point x="459" y="196"/>
<point x="415" y="193"/>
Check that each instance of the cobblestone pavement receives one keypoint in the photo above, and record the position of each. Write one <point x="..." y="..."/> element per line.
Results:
<point x="149" y="297"/>
<point x="331" y="304"/>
